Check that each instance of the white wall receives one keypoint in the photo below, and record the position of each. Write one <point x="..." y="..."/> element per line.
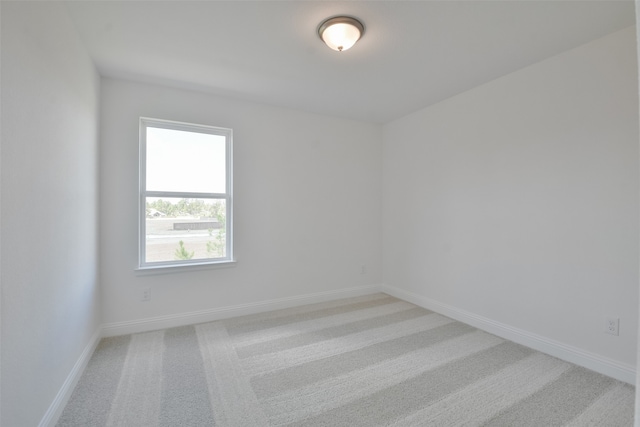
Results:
<point x="307" y="204"/>
<point x="637" y="406"/>
<point x="517" y="201"/>
<point x="50" y="296"/>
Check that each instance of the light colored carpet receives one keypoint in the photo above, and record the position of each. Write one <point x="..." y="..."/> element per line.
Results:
<point x="366" y="361"/>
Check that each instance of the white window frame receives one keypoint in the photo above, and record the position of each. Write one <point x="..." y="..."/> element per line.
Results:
<point x="145" y="123"/>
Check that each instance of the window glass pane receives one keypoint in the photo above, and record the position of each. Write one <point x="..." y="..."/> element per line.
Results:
<point x="185" y="161"/>
<point x="182" y="229"/>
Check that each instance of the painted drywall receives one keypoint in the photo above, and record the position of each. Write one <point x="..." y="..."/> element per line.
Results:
<point x="307" y="204"/>
<point x="637" y="406"/>
<point x="50" y="295"/>
<point x="518" y="201"/>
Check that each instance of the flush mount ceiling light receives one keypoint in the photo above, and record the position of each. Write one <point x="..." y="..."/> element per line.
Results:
<point x="340" y="32"/>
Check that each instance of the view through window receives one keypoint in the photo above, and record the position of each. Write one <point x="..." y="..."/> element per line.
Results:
<point x="185" y="193"/>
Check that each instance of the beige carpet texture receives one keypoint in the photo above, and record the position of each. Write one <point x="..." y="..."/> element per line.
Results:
<point x="365" y="361"/>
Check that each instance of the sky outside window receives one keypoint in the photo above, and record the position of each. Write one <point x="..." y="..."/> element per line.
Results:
<point x="183" y="161"/>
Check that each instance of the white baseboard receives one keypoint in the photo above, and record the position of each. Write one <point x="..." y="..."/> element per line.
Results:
<point x="57" y="406"/>
<point x="195" y="317"/>
<point x="143" y="325"/>
<point x="595" y="362"/>
<point x="603" y="365"/>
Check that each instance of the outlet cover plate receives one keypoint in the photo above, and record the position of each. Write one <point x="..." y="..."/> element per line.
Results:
<point x="612" y="325"/>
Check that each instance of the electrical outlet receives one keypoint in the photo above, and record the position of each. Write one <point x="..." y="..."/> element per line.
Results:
<point x="611" y="325"/>
<point x="146" y="294"/>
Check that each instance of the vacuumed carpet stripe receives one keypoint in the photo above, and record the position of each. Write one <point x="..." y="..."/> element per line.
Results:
<point x="365" y="361"/>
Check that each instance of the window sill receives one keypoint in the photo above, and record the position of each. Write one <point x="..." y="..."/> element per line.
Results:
<point x="181" y="268"/>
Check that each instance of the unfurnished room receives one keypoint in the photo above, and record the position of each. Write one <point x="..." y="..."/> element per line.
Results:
<point x="319" y="213"/>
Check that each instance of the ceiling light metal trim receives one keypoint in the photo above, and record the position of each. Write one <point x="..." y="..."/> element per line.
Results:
<point x="342" y="19"/>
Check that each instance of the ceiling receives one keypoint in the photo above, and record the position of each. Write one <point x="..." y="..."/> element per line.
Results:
<point x="413" y="53"/>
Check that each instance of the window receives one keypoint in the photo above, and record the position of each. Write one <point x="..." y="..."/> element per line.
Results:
<point x="185" y="194"/>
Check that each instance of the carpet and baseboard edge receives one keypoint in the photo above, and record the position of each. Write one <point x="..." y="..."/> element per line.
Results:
<point x="595" y="362"/>
<point x="203" y="316"/>
<point x="50" y="417"/>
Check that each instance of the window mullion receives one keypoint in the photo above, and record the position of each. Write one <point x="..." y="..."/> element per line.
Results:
<point x="184" y="195"/>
